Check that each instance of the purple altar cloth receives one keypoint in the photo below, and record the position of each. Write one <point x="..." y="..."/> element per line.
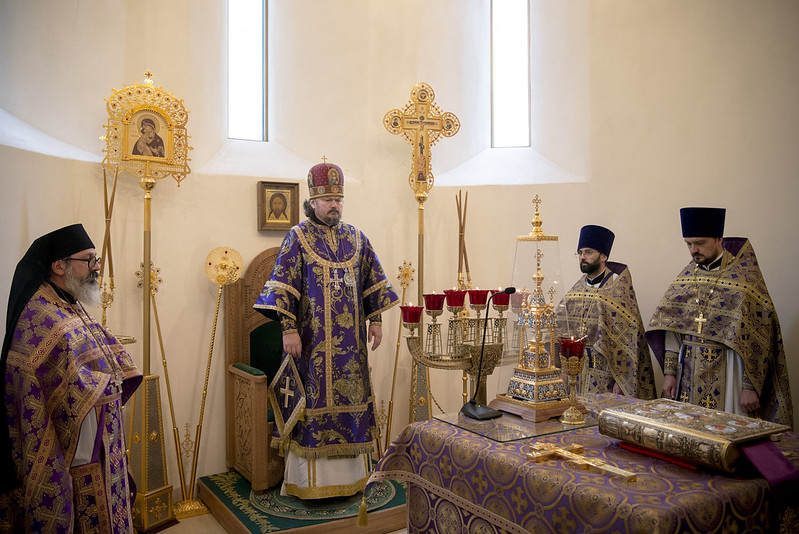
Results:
<point x="462" y="482"/>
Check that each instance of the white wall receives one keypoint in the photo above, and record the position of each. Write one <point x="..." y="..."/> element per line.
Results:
<point x="673" y="104"/>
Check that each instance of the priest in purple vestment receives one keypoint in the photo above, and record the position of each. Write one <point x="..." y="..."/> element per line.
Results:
<point x="715" y="332"/>
<point x="327" y="283"/>
<point x="602" y="305"/>
<point x="63" y="466"/>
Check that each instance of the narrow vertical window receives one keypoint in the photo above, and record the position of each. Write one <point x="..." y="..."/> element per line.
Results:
<point x="247" y="69"/>
<point x="510" y="73"/>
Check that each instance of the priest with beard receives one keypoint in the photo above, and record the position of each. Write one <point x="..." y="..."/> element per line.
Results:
<point x="63" y="466"/>
<point x="602" y="306"/>
<point x="715" y="332"/>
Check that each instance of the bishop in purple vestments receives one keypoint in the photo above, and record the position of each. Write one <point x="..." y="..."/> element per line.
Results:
<point x="327" y="283"/>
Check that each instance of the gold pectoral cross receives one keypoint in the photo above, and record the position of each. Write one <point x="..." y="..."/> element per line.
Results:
<point x="700" y="321"/>
<point x="543" y="451"/>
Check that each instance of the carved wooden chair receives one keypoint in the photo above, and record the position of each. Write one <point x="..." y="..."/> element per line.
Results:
<point x="253" y="348"/>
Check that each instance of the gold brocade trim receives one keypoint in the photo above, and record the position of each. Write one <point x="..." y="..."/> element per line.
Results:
<point x="274" y="284"/>
<point x="593" y="294"/>
<point x="339" y="449"/>
<point x="748" y="288"/>
<point x="500" y="523"/>
<point x="277" y="309"/>
<point x="694" y="341"/>
<point x="376" y="287"/>
<point x="329" y="410"/>
<point x="671" y="359"/>
<point x="380" y="311"/>
<point x="326" y="491"/>
<point x="301" y="235"/>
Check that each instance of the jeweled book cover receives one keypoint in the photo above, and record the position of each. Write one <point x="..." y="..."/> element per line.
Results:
<point x="686" y="431"/>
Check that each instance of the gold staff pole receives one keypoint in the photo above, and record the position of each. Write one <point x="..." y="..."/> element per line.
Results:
<point x="223" y="266"/>
<point x="463" y="260"/>
<point x="421" y="122"/>
<point x="147" y="183"/>
<point x="132" y="112"/>
<point x="405" y="277"/>
<point x="107" y="294"/>
<point x="175" y="431"/>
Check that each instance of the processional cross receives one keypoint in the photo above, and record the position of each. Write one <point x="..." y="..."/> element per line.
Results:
<point x="543" y="451"/>
<point x="421" y="122"/>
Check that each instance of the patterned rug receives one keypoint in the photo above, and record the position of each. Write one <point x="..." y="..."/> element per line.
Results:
<point x="271" y="512"/>
<point x="273" y="503"/>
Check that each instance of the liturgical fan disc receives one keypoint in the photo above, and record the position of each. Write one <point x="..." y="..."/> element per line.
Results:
<point x="223" y="266"/>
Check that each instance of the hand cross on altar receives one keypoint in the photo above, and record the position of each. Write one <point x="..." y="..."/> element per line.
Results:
<point x="543" y="451"/>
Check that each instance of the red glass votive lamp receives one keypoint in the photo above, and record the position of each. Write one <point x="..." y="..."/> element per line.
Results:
<point x="478" y="297"/>
<point x="434" y="301"/>
<point x="411" y="314"/>
<point x="571" y="347"/>
<point x="455" y="297"/>
<point x="500" y="298"/>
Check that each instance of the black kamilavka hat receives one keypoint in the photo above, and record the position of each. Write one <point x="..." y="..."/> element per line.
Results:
<point x="702" y="222"/>
<point x="596" y="237"/>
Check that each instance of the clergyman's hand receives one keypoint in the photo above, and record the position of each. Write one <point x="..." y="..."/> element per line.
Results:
<point x="750" y="402"/>
<point x="375" y="335"/>
<point x="292" y="344"/>
<point x="670" y="386"/>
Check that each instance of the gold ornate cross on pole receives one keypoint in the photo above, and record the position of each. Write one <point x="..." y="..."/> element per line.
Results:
<point x="543" y="451"/>
<point x="421" y="122"/>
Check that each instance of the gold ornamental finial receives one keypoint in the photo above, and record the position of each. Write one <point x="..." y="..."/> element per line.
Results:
<point x="405" y="275"/>
<point x="324" y="159"/>
<point x="537" y="234"/>
<point x="148" y="77"/>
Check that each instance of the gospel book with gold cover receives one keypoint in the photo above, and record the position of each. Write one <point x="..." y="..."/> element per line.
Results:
<point x="686" y="431"/>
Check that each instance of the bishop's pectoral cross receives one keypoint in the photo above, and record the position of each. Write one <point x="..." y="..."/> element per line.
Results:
<point x="543" y="451"/>
<point x="286" y="391"/>
<point x="336" y="280"/>
<point x="700" y="321"/>
<point x="117" y="380"/>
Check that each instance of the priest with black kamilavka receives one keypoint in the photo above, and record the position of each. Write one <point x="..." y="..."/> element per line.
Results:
<point x="715" y="331"/>
<point x="602" y="305"/>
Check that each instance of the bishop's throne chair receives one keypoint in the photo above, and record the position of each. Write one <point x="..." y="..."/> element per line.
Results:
<point x="254" y="346"/>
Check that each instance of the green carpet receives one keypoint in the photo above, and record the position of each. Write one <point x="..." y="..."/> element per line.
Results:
<point x="271" y="512"/>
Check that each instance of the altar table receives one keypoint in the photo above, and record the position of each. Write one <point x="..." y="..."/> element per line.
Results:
<point x="462" y="482"/>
